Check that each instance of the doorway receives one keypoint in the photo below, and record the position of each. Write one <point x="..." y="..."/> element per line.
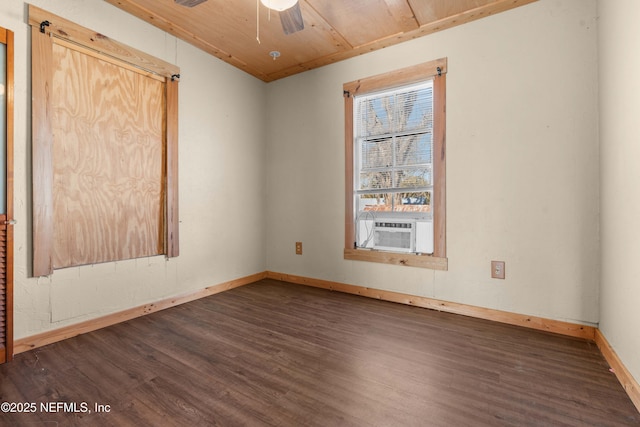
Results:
<point x="6" y="195"/>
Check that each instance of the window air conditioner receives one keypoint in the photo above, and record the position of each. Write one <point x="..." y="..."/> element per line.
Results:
<point x="396" y="235"/>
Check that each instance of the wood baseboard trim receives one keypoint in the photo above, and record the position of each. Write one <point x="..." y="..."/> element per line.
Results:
<point x="629" y="383"/>
<point x="50" y="337"/>
<point x="539" y="323"/>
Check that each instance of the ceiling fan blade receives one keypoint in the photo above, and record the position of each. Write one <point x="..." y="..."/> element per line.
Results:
<point x="189" y="3"/>
<point x="291" y="19"/>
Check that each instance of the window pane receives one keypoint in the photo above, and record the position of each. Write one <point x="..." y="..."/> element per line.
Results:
<point x="415" y="109"/>
<point x="371" y="202"/>
<point x="376" y="115"/>
<point x="377" y="153"/>
<point x="415" y="202"/>
<point x="414" y="149"/>
<point x="413" y="178"/>
<point x="375" y="180"/>
<point x="418" y="201"/>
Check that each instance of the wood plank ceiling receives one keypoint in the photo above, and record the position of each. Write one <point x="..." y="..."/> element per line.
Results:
<point x="334" y="29"/>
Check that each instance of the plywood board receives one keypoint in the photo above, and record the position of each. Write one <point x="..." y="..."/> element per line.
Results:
<point x="108" y="157"/>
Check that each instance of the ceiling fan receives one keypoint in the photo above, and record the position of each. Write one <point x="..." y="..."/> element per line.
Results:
<point x="290" y="15"/>
<point x="289" y="11"/>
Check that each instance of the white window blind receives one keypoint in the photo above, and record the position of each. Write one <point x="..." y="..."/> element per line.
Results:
<point x="393" y="133"/>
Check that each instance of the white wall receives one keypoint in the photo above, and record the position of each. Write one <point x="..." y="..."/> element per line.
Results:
<point x="619" y="35"/>
<point x="522" y="166"/>
<point x="221" y="161"/>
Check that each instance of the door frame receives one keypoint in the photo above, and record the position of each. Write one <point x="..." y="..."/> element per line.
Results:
<point x="7" y="38"/>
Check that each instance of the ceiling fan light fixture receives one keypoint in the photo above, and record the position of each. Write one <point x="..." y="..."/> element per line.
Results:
<point x="279" y="5"/>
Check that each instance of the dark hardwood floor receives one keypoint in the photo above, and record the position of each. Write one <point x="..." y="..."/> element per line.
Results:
<point x="277" y="354"/>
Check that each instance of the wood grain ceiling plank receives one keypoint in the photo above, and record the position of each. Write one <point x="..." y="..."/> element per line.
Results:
<point x="317" y="39"/>
<point x="402" y="12"/>
<point x="229" y="30"/>
<point x="361" y="22"/>
<point x="428" y="11"/>
<point x="173" y="19"/>
<point x="495" y="7"/>
<point x="333" y="31"/>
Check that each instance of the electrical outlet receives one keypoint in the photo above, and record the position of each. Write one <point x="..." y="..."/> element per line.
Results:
<point x="497" y="269"/>
<point x="298" y="248"/>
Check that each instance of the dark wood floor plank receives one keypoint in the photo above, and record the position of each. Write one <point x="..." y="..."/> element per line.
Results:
<point x="275" y="354"/>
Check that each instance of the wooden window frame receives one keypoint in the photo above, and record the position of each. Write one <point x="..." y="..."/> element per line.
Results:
<point x="45" y="27"/>
<point x="437" y="70"/>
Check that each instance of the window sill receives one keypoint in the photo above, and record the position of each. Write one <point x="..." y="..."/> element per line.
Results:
<point x="409" y="260"/>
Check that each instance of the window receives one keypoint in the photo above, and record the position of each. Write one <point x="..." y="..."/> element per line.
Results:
<point x="395" y="167"/>
<point x="104" y="148"/>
